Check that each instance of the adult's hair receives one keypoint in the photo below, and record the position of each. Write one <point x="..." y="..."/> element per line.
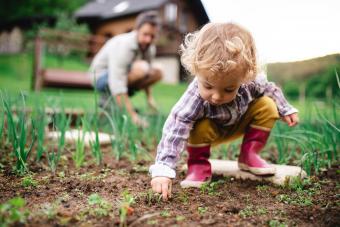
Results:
<point x="148" y="17"/>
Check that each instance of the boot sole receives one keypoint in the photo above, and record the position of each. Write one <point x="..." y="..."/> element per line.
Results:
<point x="192" y="184"/>
<point x="257" y="171"/>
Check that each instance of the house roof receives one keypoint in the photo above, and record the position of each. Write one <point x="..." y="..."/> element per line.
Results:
<point x="110" y="9"/>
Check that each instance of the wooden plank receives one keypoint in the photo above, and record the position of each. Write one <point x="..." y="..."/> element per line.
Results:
<point x="284" y="173"/>
<point x="72" y="136"/>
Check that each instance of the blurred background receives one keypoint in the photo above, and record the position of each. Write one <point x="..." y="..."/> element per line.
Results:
<point x="297" y="41"/>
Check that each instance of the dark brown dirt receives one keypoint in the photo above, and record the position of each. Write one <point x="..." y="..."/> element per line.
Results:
<point x="63" y="199"/>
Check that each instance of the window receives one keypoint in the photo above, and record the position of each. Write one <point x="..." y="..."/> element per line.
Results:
<point x="170" y="13"/>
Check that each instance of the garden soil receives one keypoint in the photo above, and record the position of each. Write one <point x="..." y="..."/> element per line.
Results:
<point x="62" y="199"/>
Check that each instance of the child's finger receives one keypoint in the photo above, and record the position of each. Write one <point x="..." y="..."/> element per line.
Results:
<point x="295" y="119"/>
<point x="287" y="120"/>
<point x="165" y="191"/>
<point x="170" y="189"/>
<point x="158" y="188"/>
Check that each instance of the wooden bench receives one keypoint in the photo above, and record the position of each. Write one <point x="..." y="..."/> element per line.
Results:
<point x="63" y="42"/>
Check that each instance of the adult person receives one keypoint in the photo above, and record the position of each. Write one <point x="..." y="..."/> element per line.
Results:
<point x="123" y="65"/>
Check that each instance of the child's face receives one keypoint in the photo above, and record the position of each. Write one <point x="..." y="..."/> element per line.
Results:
<point x="217" y="88"/>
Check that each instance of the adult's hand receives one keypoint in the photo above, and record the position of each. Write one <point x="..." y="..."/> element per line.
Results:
<point x="139" y="121"/>
<point x="152" y="104"/>
<point x="162" y="185"/>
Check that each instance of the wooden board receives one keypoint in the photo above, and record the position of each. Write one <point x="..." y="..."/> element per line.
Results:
<point x="72" y="136"/>
<point x="283" y="172"/>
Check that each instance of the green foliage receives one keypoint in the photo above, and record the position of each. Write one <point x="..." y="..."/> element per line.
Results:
<point x="12" y="212"/>
<point x="211" y="187"/>
<point x="18" y="134"/>
<point x="125" y="208"/>
<point x="202" y="210"/>
<point x="321" y="85"/>
<point x="61" y="124"/>
<point x="99" y="206"/>
<point x="23" y="9"/>
<point x="67" y="23"/>
<point x="276" y="223"/>
<point x="251" y="211"/>
<point x="28" y="182"/>
<point x="300" y="198"/>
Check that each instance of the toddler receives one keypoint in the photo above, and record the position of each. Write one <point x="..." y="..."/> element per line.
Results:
<point x="228" y="98"/>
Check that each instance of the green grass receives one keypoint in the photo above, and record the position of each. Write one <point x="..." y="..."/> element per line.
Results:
<point x="313" y="144"/>
<point x="14" y="79"/>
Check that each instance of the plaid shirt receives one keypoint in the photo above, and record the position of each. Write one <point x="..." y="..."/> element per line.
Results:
<point x="191" y="108"/>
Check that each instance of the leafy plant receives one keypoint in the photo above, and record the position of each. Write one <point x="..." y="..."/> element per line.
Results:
<point x="13" y="212"/>
<point x="202" y="210"/>
<point x="18" y="135"/>
<point x="100" y="207"/>
<point x="211" y="187"/>
<point x="28" y="181"/>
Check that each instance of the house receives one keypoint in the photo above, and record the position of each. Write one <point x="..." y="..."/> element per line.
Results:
<point x="112" y="17"/>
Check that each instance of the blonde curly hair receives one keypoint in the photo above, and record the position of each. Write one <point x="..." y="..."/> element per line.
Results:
<point x="220" y="47"/>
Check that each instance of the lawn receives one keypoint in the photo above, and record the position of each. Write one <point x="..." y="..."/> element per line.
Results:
<point x="46" y="182"/>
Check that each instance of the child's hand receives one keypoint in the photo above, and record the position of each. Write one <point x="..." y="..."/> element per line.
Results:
<point x="291" y="119"/>
<point x="162" y="185"/>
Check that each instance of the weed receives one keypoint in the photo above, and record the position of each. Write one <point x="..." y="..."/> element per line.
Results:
<point x="152" y="197"/>
<point x="262" y="188"/>
<point x="276" y="223"/>
<point x="300" y="198"/>
<point x="100" y="207"/>
<point x="183" y="197"/>
<point x="12" y="212"/>
<point x="50" y="210"/>
<point x="246" y="212"/>
<point x="180" y="218"/>
<point x="165" y="213"/>
<point x="28" y="181"/>
<point x="211" y="187"/>
<point x="202" y="210"/>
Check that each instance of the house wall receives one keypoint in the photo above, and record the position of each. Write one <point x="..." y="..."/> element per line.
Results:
<point x="170" y="68"/>
<point x="169" y="40"/>
<point x="114" y="27"/>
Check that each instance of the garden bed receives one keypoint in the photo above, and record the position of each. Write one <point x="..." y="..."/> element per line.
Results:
<point x="94" y="196"/>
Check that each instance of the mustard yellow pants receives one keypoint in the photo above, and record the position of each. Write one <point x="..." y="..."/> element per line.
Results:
<point x="262" y="114"/>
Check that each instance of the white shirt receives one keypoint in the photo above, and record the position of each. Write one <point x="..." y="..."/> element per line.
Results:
<point x="115" y="58"/>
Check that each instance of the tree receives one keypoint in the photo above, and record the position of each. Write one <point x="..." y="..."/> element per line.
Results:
<point x="12" y="11"/>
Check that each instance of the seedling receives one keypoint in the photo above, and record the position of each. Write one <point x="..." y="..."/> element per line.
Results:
<point x="28" y="181"/>
<point x="13" y="212"/>
<point x="152" y="197"/>
<point x="165" y="213"/>
<point x="125" y="208"/>
<point x="100" y="207"/>
<point x="276" y="223"/>
<point x="202" y="210"/>
<point x="79" y="154"/>
<point x="18" y="136"/>
<point x="211" y="187"/>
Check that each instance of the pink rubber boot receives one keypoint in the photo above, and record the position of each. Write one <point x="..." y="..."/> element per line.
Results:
<point x="199" y="167"/>
<point x="249" y="160"/>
